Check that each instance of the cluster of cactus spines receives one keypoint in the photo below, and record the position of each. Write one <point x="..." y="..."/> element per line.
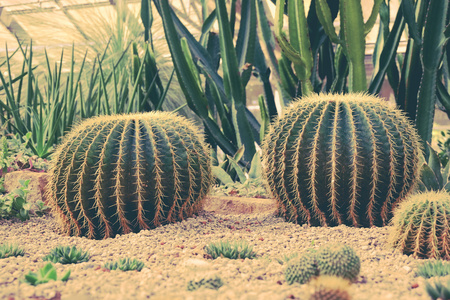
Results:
<point x="420" y="226"/>
<point x="331" y="260"/>
<point x="119" y="174"/>
<point x="340" y="159"/>
<point x="338" y="260"/>
<point x="301" y="269"/>
<point x="330" y="288"/>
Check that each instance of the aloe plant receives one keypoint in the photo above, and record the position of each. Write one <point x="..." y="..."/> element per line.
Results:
<point x="44" y="275"/>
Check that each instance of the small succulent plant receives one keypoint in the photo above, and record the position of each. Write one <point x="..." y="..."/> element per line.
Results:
<point x="125" y="264"/>
<point x="8" y="250"/>
<point x="47" y="273"/>
<point x="438" y="290"/>
<point x="236" y="250"/>
<point x="213" y="283"/>
<point x="301" y="269"/>
<point x="67" y="255"/>
<point x="334" y="260"/>
<point x="338" y="260"/>
<point x="420" y="225"/>
<point x="433" y="269"/>
<point x="330" y="288"/>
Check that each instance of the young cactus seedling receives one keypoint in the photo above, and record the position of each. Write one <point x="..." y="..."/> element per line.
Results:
<point x="47" y="273"/>
<point x="8" y="250"/>
<point x="125" y="264"/>
<point x="433" y="269"/>
<point x="236" y="250"/>
<point x="67" y="255"/>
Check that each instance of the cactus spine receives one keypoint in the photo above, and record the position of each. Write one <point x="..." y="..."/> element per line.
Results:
<point x="340" y="159"/>
<point x="421" y="226"/>
<point x="123" y="173"/>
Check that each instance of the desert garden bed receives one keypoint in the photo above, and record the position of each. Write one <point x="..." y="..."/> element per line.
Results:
<point x="174" y="254"/>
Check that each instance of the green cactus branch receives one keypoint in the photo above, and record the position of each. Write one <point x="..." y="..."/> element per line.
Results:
<point x="352" y="36"/>
<point x="298" y="48"/>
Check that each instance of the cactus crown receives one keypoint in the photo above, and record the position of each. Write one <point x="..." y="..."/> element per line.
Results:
<point x="340" y="159"/>
<point x="119" y="174"/>
<point x="338" y="260"/>
<point x="420" y="225"/>
<point x="330" y="288"/>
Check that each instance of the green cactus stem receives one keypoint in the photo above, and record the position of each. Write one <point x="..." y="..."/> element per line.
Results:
<point x="420" y="226"/>
<point x="338" y="260"/>
<point x="340" y="159"/>
<point x="352" y="35"/>
<point x="119" y="174"/>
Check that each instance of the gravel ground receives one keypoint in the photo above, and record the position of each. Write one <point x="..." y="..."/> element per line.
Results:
<point x="174" y="254"/>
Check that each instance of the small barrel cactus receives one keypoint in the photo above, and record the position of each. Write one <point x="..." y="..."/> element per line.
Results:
<point x="338" y="260"/>
<point x="301" y="269"/>
<point x="119" y="174"/>
<point x="330" y="288"/>
<point x="421" y="225"/>
<point x="340" y="159"/>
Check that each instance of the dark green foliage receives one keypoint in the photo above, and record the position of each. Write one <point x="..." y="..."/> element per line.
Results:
<point x="433" y="269"/>
<point x="8" y="250"/>
<point x="301" y="269"/>
<point x="125" y="264"/>
<point x="338" y="260"/>
<point x="67" y="255"/>
<point x="119" y="174"/>
<point x="236" y="250"/>
<point x="213" y="283"/>
<point x="340" y="159"/>
<point x="15" y="204"/>
<point x="420" y="226"/>
<point x="47" y="273"/>
<point x="438" y="290"/>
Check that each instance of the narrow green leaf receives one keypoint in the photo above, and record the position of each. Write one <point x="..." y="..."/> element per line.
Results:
<point x="324" y="15"/>
<point x="237" y="168"/>
<point x="220" y="174"/>
<point x="255" y="171"/>
<point x="407" y="7"/>
<point x="435" y="164"/>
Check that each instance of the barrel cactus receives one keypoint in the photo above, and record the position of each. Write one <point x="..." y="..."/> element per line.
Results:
<point x="338" y="260"/>
<point x="340" y="159"/>
<point x="301" y="269"/>
<point x="119" y="174"/>
<point x="421" y="225"/>
<point x="330" y="288"/>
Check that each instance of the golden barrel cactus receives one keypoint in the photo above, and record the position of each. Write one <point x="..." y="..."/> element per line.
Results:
<point x="340" y="159"/>
<point x="119" y="174"/>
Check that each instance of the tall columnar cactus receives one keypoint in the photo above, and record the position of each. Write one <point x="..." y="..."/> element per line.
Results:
<point x="120" y="174"/>
<point x="340" y="159"/>
<point x="421" y="225"/>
